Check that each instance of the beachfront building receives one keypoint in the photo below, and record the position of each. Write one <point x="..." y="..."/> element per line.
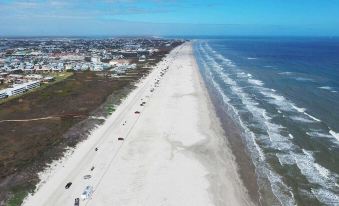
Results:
<point x="3" y="94"/>
<point x="32" y="85"/>
<point x="21" y="88"/>
<point x="16" y="89"/>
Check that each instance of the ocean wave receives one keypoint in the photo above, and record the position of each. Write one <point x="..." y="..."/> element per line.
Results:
<point x="278" y="100"/>
<point x="242" y="74"/>
<point x="313" y="171"/>
<point x="270" y="94"/>
<point x="325" y="196"/>
<point x="334" y="134"/>
<point x="328" y="88"/>
<point x="312" y="117"/>
<point x="318" y="133"/>
<point x="301" y="119"/>
<point x="285" y="159"/>
<point x="304" y="79"/>
<point x="303" y="111"/>
<point x="273" y="138"/>
<point x="325" y="88"/>
<point x="256" y="82"/>
<point x="280" y="189"/>
<point x="285" y="73"/>
<point x="226" y="61"/>
<point x="251" y="58"/>
<point x="299" y="109"/>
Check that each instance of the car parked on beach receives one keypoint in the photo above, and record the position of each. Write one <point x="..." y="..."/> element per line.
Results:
<point x="87" y="193"/>
<point x="77" y="202"/>
<point x="68" y="185"/>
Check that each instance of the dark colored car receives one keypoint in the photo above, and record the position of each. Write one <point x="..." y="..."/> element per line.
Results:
<point x="120" y="138"/>
<point x="68" y="185"/>
<point x="136" y="112"/>
<point x="92" y="168"/>
<point x="76" y="202"/>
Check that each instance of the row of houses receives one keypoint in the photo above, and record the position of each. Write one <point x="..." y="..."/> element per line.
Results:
<point x="18" y="89"/>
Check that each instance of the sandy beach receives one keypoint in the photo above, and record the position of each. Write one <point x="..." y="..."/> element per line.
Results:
<point x="174" y="151"/>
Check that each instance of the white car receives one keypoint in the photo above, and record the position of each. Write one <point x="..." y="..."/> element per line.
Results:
<point x="87" y="193"/>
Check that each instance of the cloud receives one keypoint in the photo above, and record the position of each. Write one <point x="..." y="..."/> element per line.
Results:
<point x="77" y="9"/>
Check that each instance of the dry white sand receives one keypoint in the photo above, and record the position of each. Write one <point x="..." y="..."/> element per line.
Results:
<point x="174" y="152"/>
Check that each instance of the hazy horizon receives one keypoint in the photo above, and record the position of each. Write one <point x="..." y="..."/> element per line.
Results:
<point x="168" y="18"/>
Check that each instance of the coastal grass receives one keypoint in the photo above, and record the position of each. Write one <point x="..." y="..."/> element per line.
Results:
<point x="27" y="146"/>
<point x="19" y="194"/>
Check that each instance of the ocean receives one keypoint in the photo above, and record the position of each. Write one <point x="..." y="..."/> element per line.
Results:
<point x="283" y="96"/>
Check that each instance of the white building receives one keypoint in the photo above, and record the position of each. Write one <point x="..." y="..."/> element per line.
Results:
<point x="3" y="94"/>
<point x="22" y="88"/>
<point x="16" y="89"/>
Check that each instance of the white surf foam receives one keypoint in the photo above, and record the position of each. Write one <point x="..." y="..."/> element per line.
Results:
<point x="314" y="172"/>
<point x="334" y="134"/>
<point x="325" y="88"/>
<point x="285" y="73"/>
<point x="299" y="109"/>
<point x="312" y="117"/>
<point x="301" y="119"/>
<point x="242" y="75"/>
<point x="326" y="197"/>
<point x="304" y="79"/>
<point x="285" y="159"/>
<point x="256" y="82"/>
<point x="318" y="134"/>
<point x="328" y="88"/>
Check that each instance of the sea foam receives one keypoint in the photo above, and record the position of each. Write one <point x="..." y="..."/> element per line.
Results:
<point x="334" y="134"/>
<point x="289" y="154"/>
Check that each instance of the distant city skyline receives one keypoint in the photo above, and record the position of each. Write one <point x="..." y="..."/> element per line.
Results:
<point x="172" y="17"/>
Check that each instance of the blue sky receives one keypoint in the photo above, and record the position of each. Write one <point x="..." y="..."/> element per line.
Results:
<point x="169" y="17"/>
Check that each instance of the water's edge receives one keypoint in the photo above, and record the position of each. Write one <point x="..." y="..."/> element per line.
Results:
<point x="234" y="136"/>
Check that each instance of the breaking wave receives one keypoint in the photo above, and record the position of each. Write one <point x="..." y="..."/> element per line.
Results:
<point x="230" y="83"/>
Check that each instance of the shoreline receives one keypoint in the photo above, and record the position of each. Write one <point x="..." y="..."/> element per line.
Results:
<point x="220" y="121"/>
<point x="174" y="152"/>
<point x="233" y="136"/>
